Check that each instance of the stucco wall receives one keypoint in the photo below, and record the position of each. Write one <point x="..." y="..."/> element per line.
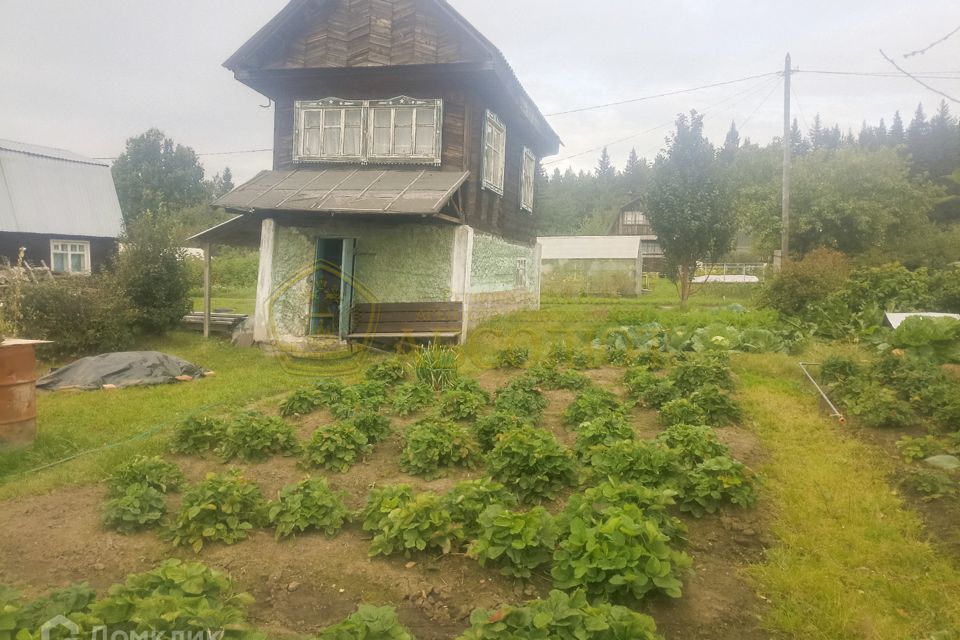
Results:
<point x="394" y="263"/>
<point x="494" y="288"/>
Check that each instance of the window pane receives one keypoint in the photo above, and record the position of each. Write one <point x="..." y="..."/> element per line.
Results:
<point x="352" y="117"/>
<point x="59" y="262"/>
<point x="76" y="262"/>
<point x="311" y="142"/>
<point x="351" y="141"/>
<point x="331" y="118"/>
<point x="426" y="132"/>
<point x="403" y="132"/>
<point x="331" y="141"/>
<point x="381" y="117"/>
<point x="425" y="116"/>
<point x="312" y="118"/>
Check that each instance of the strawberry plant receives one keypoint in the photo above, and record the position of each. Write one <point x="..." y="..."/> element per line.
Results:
<point x="531" y="463"/>
<point x="417" y="525"/>
<point x="548" y="376"/>
<point x="680" y="411"/>
<point x="361" y="397"/>
<point x="311" y="504"/>
<point x="716" y="482"/>
<point x="616" y="354"/>
<point x="592" y="403"/>
<point x="519" y="542"/>
<point x="388" y="371"/>
<point x="692" y="444"/>
<point x="328" y="391"/>
<point x="68" y="601"/>
<point x="659" y="393"/>
<point x="373" y="425"/>
<point x="488" y="427"/>
<point x="914" y="449"/>
<point x="367" y="623"/>
<point x="559" y="353"/>
<point x="432" y="446"/>
<point x="411" y="397"/>
<point x="521" y="397"/>
<point x="561" y="616"/>
<point x="582" y="359"/>
<point x="196" y="434"/>
<point x="222" y="508"/>
<point x="468" y="499"/>
<point x="336" y="447"/>
<point x="649" y="463"/>
<point x="878" y="406"/>
<point x="437" y="366"/>
<point x="697" y="370"/>
<point x="931" y="483"/>
<point x="300" y="403"/>
<point x="381" y="502"/>
<point x="838" y="369"/>
<point x="653" y="502"/>
<point x="511" y="358"/>
<point x="717" y="406"/>
<point x="638" y="379"/>
<point x="623" y="555"/>
<point x="462" y="404"/>
<point x="136" y="506"/>
<point x="153" y="472"/>
<point x="254" y="437"/>
<point x="601" y="430"/>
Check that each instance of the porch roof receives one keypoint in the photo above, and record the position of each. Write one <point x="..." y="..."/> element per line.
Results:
<point x="394" y="191"/>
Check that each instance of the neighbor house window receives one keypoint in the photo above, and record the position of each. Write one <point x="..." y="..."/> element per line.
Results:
<point x="634" y="218"/>
<point x="521" y="276"/>
<point x="398" y="130"/>
<point x="70" y="256"/>
<point x="528" y="170"/>
<point x="494" y="147"/>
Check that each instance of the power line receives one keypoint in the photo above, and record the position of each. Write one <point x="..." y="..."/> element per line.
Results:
<point x="773" y="88"/>
<point x="916" y="78"/>
<point x="662" y="95"/>
<point x="931" y="75"/>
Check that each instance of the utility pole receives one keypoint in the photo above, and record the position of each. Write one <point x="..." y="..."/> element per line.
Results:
<point x="787" y="142"/>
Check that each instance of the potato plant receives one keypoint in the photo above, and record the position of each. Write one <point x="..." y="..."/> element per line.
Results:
<point x="336" y="447"/>
<point x="432" y="446"/>
<point x="254" y="437"/>
<point x="416" y="525"/>
<point x="309" y="505"/>
<point x="518" y="542"/>
<point x="222" y="508"/>
<point x="531" y="463"/>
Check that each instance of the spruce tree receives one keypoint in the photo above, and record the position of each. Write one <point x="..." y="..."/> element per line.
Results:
<point x="896" y="135"/>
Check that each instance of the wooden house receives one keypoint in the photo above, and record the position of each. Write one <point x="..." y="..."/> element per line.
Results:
<point x="61" y="208"/>
<point x="631" y="221"/>
<point x="400" y="200"/>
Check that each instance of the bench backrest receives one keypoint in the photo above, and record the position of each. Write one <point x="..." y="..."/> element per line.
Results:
<point x="407" y="317"/>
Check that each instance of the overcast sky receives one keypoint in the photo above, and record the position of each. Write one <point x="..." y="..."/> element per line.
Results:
<point x="86" y="75"/>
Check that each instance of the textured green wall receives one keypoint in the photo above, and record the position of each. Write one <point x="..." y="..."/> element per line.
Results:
<point x="395" y="263"/>
<point x="494" y="265"/>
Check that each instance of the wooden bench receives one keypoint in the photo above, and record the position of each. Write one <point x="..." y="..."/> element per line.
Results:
<point x="219" y="322"/>
<point x="394" y="320"/>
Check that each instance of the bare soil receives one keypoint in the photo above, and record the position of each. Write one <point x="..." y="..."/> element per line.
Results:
<point x="307" y="583"/>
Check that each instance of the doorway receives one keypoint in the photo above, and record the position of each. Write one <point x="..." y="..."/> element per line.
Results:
<point x="332" y="287"/>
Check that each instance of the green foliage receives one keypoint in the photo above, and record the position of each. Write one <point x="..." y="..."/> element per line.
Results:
<point x="638" y="379"/>
<point x="373" y="425"/>
<point x="67" y="601"/>
<point x="932" y="339"/>
<point x="417" y="525"/>
<point x="837" y="369"/>
<point x="487" y="428"/>
<point x="311" y="504"/>
<point x="655" y="503"/>
<point x="519" y="542"/>
<point x="590" y="404"/>
<point x="931" y="483"/>
<point x="649" y="463"/>
<point x="802" y="283"/>
<point x="521" y="397"/>
<point x="561" y="616"/>
<point x="300" y="403"/>
<point x="134" y="507"/>
<point x="197" y="434"/>
<point x="877" y="406"/>
<point x="548" y="376"/>
<point x="715" y="482"/>
<point x="336" y="447"/>
<point x="582" y="359"/>
<point x="437" y="366"/>
<point x="681" y="411"/>
<point x="462" y="404"/>
<point x="388" y="371"/>
<point x="411" y="397"/>
<point x="222" y="508"/>
<point x="152" y="471"/>
<point x="381" y="502"/>
<point x="914" y="449"/>
<point x="718" y="407"/>
<point x="624" y="555"/>
<point x="692" y="444"/>
<point x="468" y="499"/>
<point x="511" y="357"/>
<point x="531" y="463"/>
<point x="368" y="623"/>
<point x="616" y="355"/>
<point x="432" y="446"/>
<point x="254" y="437"/>
<point x="696" y="371"/>
<point x="559" y="352"/>
<point x="658" y="393"/>
<point x="601" y="430"/>
<point x="151" y="272"/>
<point x="329" y="391"/>
<point x="362" y="397"/>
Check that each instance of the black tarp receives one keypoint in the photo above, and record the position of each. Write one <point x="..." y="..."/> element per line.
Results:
<point x="122" y="369"/>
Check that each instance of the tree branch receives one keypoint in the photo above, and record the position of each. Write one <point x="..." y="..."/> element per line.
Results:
<point x="920" y="52"/>
<point x="916" y="79"/>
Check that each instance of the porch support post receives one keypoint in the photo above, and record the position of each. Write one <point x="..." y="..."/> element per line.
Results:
<point x="261" y="318"/>
<point x="206" y="290"/>
<point x="460" y="277"/>
<point x="538" y="261"/>
<point x="638" y="269"/>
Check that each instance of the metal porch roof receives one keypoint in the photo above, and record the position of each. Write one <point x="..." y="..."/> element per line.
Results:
<point x="362" y="191"/>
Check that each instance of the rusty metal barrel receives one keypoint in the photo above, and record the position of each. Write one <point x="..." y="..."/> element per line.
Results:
<point x="18" y="393"/>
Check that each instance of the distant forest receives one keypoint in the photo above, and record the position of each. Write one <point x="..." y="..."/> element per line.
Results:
<point x="856" y="192"/>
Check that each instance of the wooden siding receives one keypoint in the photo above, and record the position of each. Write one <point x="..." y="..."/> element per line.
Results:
<point x="102" y="250"/>
<point x="362" y="33"/>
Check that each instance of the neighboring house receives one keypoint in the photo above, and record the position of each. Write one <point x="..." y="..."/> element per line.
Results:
<point x="400" y="201"/>
<point x="631" y="221"/>
<point x="597" y="265"/>
<point x="61" y="207"/>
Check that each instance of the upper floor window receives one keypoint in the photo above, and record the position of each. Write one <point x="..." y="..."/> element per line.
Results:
<point x="528" y="171"/>
<point x="634" y="218"/>
<point x="399" y="130"/>
<point x="70" y="256"/>
<point x="494" y="151"/>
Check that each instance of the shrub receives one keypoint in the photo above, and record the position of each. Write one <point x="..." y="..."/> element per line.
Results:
<point x="531" y="463"/>
<point x="367" y="623"/>
<point x="649" y="463"/>
<point x="806" y="282"/>
<point x="468" y="499"/>
<point x="561" y="616"/>
<point x="254" y="437"/>
<point x="361" y="397"/>
<point x="437" y="366"/>
<point x="134" y="507"/>
<point x="600" y="431"/>
<point x="653" y="502"/>
<point x="488" y="427"/>
<point x="381" y="502"/>
<point x="519" y="542"/>
<point x="337" y="447"/>
<point x="592" y="403"/>
<point x="222" y="508"/>
<point x="433" y="445"/>
<point x="715" y="482"/>
<point x="153" y="472"/>
<point x="152" y="273"/>
<point x="388" y="371"/>
<point x="692" y="444"/>
<point x="520" y="398"/>
<point x="681" y="411"/>
<point x="373" y="425"/>
<point x="79" y="315"/>
<point x="417" y="525"/>
<point x="945" y="287"/>
<point x="300" y="403"/>
<point x="411" y="397"/>
<point x="623" y="555"/>
<point x="311" y="504"/>
<point x="462" y="404"/>
<point x="511" y="358"/>
<point x="198" y="433"/>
